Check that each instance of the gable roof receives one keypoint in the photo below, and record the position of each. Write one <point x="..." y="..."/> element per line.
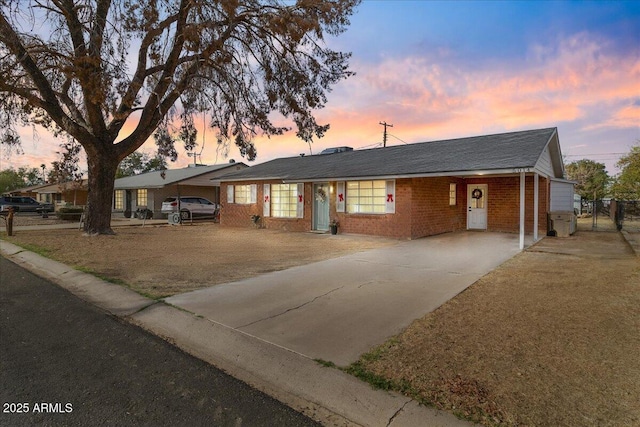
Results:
<point x="198" y="175"/>
<point x="500" y="153"/>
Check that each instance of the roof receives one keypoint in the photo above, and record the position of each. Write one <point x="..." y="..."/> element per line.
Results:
<point x="63" y="186"/>
<point x="198" y="175"/>
<point x="30" y="189"/>
<point x="499" y="153"/>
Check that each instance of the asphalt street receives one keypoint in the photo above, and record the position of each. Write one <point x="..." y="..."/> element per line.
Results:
<point x="65" y="362"/>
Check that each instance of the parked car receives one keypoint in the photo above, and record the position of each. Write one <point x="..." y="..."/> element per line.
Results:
<point x="190" y="206"/>
<point x="24" y="204"/>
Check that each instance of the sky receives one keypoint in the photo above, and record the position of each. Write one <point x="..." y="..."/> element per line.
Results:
<point x="441" y="70"/>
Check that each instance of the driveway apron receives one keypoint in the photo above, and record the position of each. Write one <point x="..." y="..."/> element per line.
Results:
<point x="337" y="309"/>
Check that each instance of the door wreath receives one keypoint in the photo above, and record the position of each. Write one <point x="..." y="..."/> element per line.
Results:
<point x="321" y="195"/>
<point x="477" y="193"/>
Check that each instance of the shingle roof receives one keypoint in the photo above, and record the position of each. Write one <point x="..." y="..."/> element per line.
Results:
<point x="479" y="153"/>
<point x="171" y="176"/>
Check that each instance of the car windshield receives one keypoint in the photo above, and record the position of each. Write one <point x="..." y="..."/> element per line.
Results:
<point x="169" y="199"/>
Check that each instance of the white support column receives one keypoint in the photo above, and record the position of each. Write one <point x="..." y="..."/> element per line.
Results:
<point x="522" y="184"/>
<point x="536" y="195"/>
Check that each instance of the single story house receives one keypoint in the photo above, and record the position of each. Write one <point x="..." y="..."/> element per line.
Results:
<point x="64" y="194"/>
<point x="148" y="190"/>
<point x="59" y="194"/>
<point x="500" y="182"/>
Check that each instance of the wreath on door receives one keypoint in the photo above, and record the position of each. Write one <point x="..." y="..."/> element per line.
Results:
<point x="321" y="195"/>
<point x="477" y="193"/>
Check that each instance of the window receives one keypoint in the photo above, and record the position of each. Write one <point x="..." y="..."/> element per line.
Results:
<point x="242" y="194"/>
<point x="284" y="200"/>
<point x="452" y="194"/>
<point x="367" y="197"/>
<point x="142" y="197"/>
<point x="118" y="200"/>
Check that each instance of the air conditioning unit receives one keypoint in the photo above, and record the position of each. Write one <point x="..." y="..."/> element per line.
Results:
<point x="174" y="218"/>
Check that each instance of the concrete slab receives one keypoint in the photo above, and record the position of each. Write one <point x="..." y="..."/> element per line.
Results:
<point x="337" y="309"/>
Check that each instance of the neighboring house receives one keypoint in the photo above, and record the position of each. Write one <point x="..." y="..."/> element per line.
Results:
<point x="64" y="194"/>
<point x="148" y="190"/>
<point x="26" y="191"/>
<point x="68" y="193"/>
<point x="494" y="182"/>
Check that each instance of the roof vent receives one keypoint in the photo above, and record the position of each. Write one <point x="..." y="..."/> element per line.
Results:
<point x="334" y="150"/>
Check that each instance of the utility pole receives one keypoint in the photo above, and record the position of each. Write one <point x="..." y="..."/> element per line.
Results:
<point x="384" y="138"/>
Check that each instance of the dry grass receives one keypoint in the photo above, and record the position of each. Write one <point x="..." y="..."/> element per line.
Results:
<point x="163" y="260"/>
<point x="551" y="338"/>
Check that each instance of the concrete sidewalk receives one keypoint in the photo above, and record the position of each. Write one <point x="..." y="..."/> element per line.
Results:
<point x="259" y="352"/>
<point x="338" y="309"/>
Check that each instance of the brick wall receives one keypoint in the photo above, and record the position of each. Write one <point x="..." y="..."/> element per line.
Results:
<point x="239" y="215"/>
<point x="503" y="203"/>
<point x="396" y="225"/>
<point x="430" y="210"/>
<point x="422" y="209"/>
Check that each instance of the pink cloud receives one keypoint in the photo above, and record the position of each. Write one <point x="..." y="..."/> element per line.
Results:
<point x="577" y="81"/>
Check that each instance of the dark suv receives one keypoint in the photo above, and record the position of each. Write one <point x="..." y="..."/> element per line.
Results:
<point x="24" y="204"/>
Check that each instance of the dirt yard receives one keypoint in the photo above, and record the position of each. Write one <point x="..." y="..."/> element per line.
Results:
<point x="160" y="261"/>
<point x="550" y="338"/>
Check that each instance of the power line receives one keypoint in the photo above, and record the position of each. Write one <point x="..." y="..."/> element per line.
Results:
<point x="595" y="154"/>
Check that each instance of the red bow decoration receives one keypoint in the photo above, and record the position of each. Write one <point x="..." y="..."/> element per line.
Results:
<point x="300" y="198"/>
<point x="266" y="199"/>
<point x="389" y="197"/>
<point x="341" y="197"/>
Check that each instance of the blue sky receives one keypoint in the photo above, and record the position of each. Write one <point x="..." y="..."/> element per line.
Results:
<point x="439" y="70"/>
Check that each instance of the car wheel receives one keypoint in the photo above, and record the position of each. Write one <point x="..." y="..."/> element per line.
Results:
<point x="185" y="215"/>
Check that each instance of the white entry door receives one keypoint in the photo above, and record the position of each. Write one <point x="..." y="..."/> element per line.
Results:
<point x="477" y="206"/>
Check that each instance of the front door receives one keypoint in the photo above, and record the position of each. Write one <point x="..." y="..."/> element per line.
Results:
<point x="321" y="207"/>
<point x="477" y="206"/>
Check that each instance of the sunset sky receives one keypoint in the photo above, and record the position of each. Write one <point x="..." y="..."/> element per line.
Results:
<point x="440" y="70"/>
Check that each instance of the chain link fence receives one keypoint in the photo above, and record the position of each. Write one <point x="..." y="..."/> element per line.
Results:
<point x="609" y="215"/>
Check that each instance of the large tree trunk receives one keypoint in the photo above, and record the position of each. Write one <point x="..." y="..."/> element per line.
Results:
<point x="102" y="172"/>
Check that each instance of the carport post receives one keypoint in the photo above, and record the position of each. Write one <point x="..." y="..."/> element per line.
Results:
<point x="522" y="182"/>
<point x="536" y="194"/>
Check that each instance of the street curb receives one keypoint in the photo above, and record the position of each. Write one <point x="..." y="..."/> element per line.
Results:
<point x="328" y="395"/>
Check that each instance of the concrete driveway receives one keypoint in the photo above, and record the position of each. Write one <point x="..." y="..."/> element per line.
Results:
<point x="337" y="309"/>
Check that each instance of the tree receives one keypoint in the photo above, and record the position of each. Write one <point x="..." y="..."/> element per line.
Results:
<point x="66" y="171"/>
<point x="67" y="168"/>
<point x="626" y="185"/>
<point x="11" y="179"/>
<point x="137" y="163"/>
<point x="591" y="178"/>
<point x="239" y="60"/>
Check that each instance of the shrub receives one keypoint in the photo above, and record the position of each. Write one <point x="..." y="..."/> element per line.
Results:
<point x="70" y="213"/>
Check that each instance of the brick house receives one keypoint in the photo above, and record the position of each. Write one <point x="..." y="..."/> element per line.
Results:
<point x="497" y="182"/>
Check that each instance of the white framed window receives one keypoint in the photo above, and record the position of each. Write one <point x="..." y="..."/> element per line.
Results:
<point x="452" y="194"/>
<point x="242" y="194"/>
<point x="285" y="200"/>
<point x="369" y="197"/>
<point x="142" y="197"/>
<point x="118" y="200"/>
